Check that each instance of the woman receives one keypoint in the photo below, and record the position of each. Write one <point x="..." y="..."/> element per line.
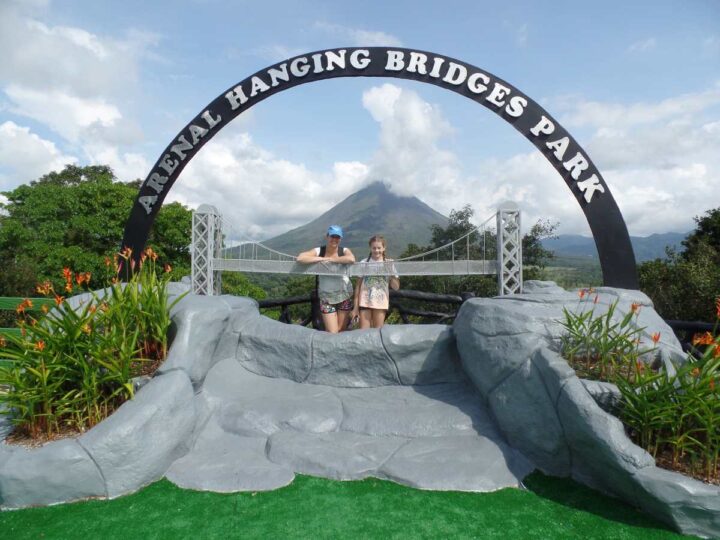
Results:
<point x="335" y="292"/>
<point x="372" y="294"/>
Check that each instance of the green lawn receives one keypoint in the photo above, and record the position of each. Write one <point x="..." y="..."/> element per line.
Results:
<point x="318" y="508"/>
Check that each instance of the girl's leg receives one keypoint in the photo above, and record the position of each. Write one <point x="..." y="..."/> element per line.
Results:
<point x="330" y="320"/>
<point x="365" y="318"/>
<point x="378" y="317"/>
<point x="343" y="318"/>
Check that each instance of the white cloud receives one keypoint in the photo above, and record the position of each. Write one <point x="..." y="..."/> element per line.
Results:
<point x="359" y="37"/>
<point x="578" y="112"/>
<point x="409" y="158"/>
<point x="25" y="156"/>
<point x="643" y="46"/>
<point x="259" y="194"/>
<point x="64" y="113"/>
<point x="64" y="57"/>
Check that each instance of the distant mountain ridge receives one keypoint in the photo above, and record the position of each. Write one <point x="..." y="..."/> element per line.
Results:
<point x="372" y="210"/>
<point x="404" y="220"/>
<point x="646" y="248"/>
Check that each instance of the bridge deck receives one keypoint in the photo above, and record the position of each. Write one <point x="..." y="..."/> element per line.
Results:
<point x="400" y="268"/>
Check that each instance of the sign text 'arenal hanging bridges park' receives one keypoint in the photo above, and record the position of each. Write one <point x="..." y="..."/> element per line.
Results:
<point x="417" y="374"/>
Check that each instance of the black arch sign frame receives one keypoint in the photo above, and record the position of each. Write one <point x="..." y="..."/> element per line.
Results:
<point x="612" y="240"/>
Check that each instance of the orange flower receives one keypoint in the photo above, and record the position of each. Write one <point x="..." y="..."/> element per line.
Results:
<point x="656" y="337"/>
<point x="3" y="342"/>
<point x="68" y="286"/>
<point x="59" y="299"/>
<point x="86" y="329"/>
<point x="67" y="274"/>
<point x="703" y="339"/>
<point x="581" y="293"/>
<point x="22" y="306"/>
<point x="104" y="307"/>
<point x="79" y="278"/>
<point x="151" y="253"/>
<point x="168" y="268"/>
<point x="695" y="372"/>
<point x="126" y="253"/>
<point x="44" y="288"/>
<point x="40" y="345"/>
<point x="92" y="309"/>
<point x="107" y="262"/>
<point x="635" y="307"/>
<point x="44" y="308"/>
<point x="640" y="365"/>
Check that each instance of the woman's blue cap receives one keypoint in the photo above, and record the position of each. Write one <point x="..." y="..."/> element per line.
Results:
<point x="335" y="230"/>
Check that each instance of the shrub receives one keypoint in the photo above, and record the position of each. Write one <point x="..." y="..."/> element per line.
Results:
<point x="668" y="414"/>
<point x="72" y="366"/>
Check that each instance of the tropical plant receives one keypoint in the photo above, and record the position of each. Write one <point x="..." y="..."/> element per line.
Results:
<point x="72" y="366"/>
<point x="674" y="415"/>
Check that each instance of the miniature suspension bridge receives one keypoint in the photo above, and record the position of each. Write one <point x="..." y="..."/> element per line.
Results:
<point x="466" y="255"/>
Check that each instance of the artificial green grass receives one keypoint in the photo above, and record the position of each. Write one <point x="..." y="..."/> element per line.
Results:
<point x="317" y="508"/>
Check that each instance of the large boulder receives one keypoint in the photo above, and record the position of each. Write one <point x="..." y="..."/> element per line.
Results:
<point x="137" y="444"/>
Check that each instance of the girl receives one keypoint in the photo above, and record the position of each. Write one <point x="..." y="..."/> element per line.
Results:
<point x="335" y="292"/>
<point x="372" y="294"/>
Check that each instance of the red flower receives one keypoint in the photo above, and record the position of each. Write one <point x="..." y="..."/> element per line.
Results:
<point x="656" y="337"/>
<point x="581" y="293"/>
<point x="635" y="307"/>
<point x="40" y="345"/>
<point x="67" y="274"/>
<point x="59" y="299"/>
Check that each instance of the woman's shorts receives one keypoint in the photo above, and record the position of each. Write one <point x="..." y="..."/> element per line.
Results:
<point x="345" y="305"/>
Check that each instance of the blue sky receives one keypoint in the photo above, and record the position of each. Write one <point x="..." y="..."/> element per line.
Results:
<point x="636" y="83"/>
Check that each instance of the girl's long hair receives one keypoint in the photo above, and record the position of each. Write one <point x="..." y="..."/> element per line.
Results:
<point x="377" y="238"/>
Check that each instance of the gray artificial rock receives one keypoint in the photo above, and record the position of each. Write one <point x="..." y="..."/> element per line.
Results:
<point x="226" y="463"/>
<point x="58" y="472"/>
<point x="464" y="463"/>
<point x="602" y="455"/>
<point x="339" y="455"/>
<point x="527" y="417"/>
<point x="199" y="323"/>
<point x="275" y="349"/>
<point x="496" y="336"/>
<point x="533" y="286"/>
<point x="423" y="354"/>
<point x="688" y="505"/>
<point x="351" y="359"/>
<point x="253" y="405"/>
<point x="137" y="444"/>
<point x="405" y="411"/>
<point x="606" y="395"/>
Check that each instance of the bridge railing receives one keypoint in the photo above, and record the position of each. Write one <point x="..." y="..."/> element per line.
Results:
<point x="208" y="261"/>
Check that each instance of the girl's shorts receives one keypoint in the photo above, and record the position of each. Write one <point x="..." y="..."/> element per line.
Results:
<point x="345" y="305"/>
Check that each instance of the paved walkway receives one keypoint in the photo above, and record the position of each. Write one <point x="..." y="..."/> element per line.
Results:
<point x="260" y="431"/>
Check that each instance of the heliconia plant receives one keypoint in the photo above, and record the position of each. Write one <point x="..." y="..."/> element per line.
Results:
<point x="72" y="366"/>
<point x="674" y="415"/>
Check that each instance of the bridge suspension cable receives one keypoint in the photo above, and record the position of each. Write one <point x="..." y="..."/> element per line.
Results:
<point x="210" y="258"/>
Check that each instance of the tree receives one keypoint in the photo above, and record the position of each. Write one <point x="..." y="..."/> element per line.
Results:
<point x="458" y="225"/>
<point x="685" y="285"/>
<point x="75" y="218"/>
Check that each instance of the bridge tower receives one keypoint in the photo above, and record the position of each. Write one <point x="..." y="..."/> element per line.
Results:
<point x="207" y="241"/>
